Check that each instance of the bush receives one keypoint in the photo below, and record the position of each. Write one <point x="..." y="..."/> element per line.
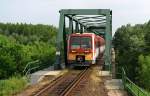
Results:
<point x="12" y="85"/>
<point x="24" y="43"/>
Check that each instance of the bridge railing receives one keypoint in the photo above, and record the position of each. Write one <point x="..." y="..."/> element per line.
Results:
<point x="132" y="87"/>
<point x="33" y="65"/>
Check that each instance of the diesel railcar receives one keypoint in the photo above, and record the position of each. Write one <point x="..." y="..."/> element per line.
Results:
<point x="84" y="49"/>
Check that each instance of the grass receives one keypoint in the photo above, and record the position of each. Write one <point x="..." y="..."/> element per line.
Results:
<point x="12" y="85"/>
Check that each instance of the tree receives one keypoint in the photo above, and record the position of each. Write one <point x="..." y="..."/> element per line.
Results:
<point x="23" y="43"/>
<point x="130" y="42"/>
<point x="144" y="70"/>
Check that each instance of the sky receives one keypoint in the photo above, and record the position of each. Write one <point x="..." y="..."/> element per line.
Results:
<point x="47" y="11"/>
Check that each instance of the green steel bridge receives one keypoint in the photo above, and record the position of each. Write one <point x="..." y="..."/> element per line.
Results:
<point x="98" y="21"/>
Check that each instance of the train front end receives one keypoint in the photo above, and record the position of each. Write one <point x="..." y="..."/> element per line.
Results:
<point x="80" y="49"/>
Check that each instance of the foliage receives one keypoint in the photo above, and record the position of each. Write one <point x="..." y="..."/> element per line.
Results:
<point x="23" y="43"/>
<point x="10" y="58"/>
<point x="130" y="42"/>
<point x="144" y="77"/>
<point x="12" y="85"/>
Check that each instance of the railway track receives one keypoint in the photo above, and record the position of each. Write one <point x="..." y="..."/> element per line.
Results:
<point x="65" y="85"/>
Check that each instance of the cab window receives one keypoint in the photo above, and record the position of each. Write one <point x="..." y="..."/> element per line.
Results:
<point x="86" y="42"/>
<point x="75" y="42"/>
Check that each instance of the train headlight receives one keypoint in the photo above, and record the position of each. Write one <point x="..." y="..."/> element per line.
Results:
<point x="73" y="51"/>
<point x="86" y="51"/>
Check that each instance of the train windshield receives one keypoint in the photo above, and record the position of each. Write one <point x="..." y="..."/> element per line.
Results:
<point x="86" y="42"/>
<point x="81" y="42"/>
<point x="75" y="42"/>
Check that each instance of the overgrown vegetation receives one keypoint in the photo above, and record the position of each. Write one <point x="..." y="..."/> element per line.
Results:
<point x="12" y="85"/>
<point x="19" y="45"/>
<point x="132" y="45"/>
<point x="23" y="43"/>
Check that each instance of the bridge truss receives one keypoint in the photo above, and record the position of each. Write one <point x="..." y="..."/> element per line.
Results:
<point x="98" y="21"/>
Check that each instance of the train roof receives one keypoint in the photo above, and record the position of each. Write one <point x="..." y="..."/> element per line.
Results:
<point x="84" y="34"/>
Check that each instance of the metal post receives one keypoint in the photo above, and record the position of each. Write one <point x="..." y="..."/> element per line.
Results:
<point x="65" y="44"/>
<point x="77" y="27"/>
<point x="59" y="42"/>
<point x="70" y="25"/>
<point x="81" y="28"/>
<point x="122" y="76"/>
<point x="108" y="43"/>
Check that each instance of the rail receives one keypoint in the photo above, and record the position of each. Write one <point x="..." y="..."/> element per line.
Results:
<point x="132" y="87"/>
<point x="64" y="83"/>
<point x="68" y="90"/>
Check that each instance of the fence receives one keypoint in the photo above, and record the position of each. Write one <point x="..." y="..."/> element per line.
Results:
<point x="30" y="67"/>
<point x="132" y="87"/>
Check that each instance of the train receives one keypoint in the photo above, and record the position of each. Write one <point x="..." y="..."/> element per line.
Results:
<point x="83" y="49"/>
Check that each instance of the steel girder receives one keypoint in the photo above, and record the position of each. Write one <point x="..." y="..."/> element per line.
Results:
<point x="98" y="21"/>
